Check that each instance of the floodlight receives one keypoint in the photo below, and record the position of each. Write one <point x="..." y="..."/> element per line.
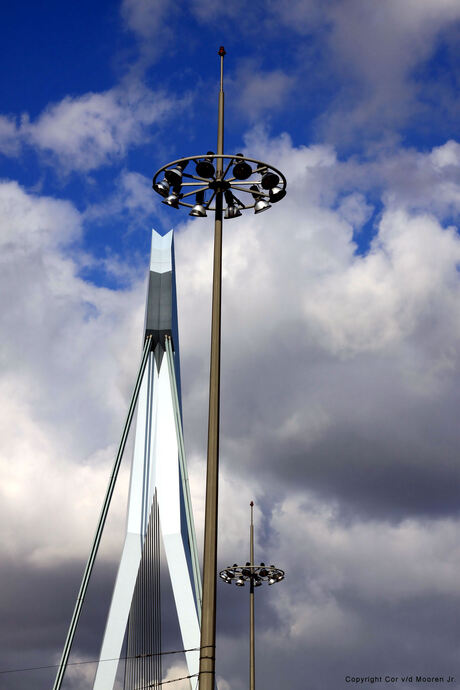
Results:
<point x="174" y="175"/>
<point x="242" y="170"/>
<point x="276" y="194"/>
<point x="162" y="187"/>
<point x="232" y="210"/>
<point x="205" y="167"/>
<point x="269" y="179"/>
<point x="198" y="211"/>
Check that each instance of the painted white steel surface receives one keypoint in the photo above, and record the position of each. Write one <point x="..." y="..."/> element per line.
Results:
<point x="155" y="465"/>
<point x="160" y="253"/>
<point x="170" y="520"/>
<point x="119" y="612"/>
<point x="141" y="491"/>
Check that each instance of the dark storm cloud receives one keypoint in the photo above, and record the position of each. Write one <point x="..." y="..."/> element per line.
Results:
<point x="36" y="606"/>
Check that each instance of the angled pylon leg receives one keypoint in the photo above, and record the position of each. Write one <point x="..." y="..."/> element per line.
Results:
<point x="171" y="516"/>
<point x="158" y="463"/>
<point x="140" y="502"/>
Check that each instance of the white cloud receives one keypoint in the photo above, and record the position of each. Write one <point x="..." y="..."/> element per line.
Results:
<point x="260" y="90"/>
<point x="355" y="210"/>
<point x="86" y="132"/>
<point x="132" y="197"/>
<point x="380" y="299"/>
<point x="339" y="380"/>
<point x="391" y="561"/>
<point x="144" y="17"/>
<point x="447" y="154"/>
<point x="151" y="24"/>
<point x="62" y="402"/>
<point x="380" y="44"/>
<point x="399" y="301"/>
<point x="342" y="335"/>
<point x="371" y="49"/>
<point x="9" y="137"/>
<point x="179" y="670"/>
<point x="89" y="131"/>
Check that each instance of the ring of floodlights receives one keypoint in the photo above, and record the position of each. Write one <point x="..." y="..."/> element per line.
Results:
<point x="196" y="183"/>
<point x="239" y="574"/>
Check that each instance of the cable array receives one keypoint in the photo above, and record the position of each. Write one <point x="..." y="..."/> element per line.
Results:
<point x="144" y="626"/>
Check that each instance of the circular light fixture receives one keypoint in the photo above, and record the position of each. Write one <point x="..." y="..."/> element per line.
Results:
<point x="257" y="574"/>
<point x="237" y="173"/>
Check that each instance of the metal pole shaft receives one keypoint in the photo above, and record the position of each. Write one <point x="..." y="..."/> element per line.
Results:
<point x="208" y="615"/>
<point x="101" y="523"/>
<point x="252" y="651"/>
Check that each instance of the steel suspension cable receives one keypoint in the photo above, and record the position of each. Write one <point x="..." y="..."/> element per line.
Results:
<point x="102" y="520"/>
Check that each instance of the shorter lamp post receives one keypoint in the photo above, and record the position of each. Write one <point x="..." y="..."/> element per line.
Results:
<point x="256" y="575"/>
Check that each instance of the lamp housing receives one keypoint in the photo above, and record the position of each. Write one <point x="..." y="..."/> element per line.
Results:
<point x="162" y="187"/>
<point x="199" y="211"/>
<point x="205" y="168"/>
<point x="241" y="169"/>
<point x="174" y="175"/>
<point x="269" y="179"/>
<point x="276" y="194"/>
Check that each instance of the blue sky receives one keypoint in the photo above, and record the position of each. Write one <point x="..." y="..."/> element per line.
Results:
<point x="341" y="323"/>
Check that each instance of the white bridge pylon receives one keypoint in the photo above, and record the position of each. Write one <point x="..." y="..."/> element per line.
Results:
<point x="158" y="464"/>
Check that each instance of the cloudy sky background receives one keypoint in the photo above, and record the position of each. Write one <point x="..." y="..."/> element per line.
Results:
<point x="341" y="321"/>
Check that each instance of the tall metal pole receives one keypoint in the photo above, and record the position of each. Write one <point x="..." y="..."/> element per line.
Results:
<point x="252" y="643"/>
<point x="208" y="616"/>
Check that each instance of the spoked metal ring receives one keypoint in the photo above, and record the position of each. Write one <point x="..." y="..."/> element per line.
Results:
<point x="263" y="182"/>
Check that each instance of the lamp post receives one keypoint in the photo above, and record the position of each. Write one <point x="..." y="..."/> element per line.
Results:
<point x="216" y="176"/>
<point x="256" y="575"/>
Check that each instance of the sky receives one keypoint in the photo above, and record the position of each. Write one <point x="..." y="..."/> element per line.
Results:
<point x="341" y="323"/>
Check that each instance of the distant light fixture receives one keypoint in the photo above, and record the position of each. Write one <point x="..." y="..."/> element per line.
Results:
<point x="198" y="211"/>
<point x="255" y="576"/>
<point x="242" y="170"/>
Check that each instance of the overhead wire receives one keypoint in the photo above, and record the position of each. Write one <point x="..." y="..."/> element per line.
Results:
<point x="101" y="661"/>
<point x="171" y="680"/>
